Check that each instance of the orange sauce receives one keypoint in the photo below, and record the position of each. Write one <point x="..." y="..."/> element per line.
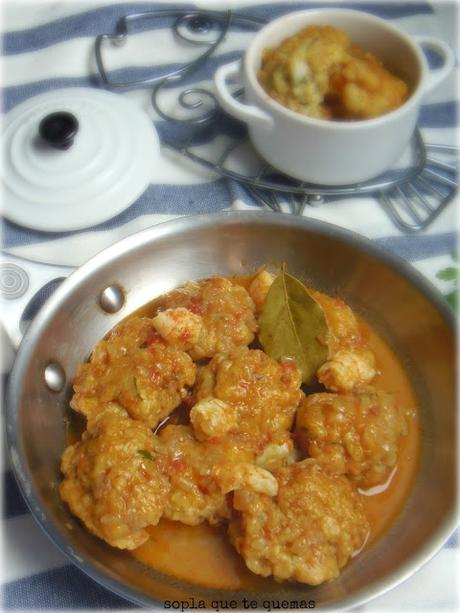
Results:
<point x="197" y="554"/>
<point x="382" y="504"/>
<point x="203" y="555"/>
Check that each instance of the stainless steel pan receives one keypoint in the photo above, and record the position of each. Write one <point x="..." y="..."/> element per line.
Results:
<point x="390" y="294"/>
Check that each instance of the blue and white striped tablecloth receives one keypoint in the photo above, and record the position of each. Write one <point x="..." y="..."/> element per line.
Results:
<point x="48" y="45"/>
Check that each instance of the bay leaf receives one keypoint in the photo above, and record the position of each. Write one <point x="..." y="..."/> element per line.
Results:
<point x="291" y="324"/>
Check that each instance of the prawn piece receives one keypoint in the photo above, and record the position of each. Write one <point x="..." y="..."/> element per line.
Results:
<point x="350" y="363"/>
<point x="347" y="369"/>
<point x="179" y="327"/>
<point x="212" y="418"/>
<point x="258" y="289"/>
<point x="245" y="475"/>
<point x="277" y="454"/>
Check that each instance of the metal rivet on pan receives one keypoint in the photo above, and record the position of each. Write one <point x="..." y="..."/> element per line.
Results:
<point x="14" y="281"/>
<point x="112" y="299"/>
<point x="315" y="199"/>
<point x="54" y="377"/>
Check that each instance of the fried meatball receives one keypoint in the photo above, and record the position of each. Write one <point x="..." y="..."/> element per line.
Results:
<point x="297" y="72"/>
<point x="198" y="492"/>
<point x="264" y="392"/>
<point x="222" y="312"/>
<point x="350" y="363"/>
<point x="364" y="88"/>
<point x="307" y="533"/>
<point x="112" y="482"/>
<point x="135" y="368"/>
<point x="355" y="434"/>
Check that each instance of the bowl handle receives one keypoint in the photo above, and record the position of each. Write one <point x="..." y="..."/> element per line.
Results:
<point x="247" y="113"/>
<point x="437" y="75"/>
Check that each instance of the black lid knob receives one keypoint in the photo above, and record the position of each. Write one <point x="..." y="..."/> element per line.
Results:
<point x="200" y="24"/>
<point x="58" y="129"/>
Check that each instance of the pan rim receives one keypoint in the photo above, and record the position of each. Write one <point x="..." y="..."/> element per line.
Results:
<point x="137" y="240"/>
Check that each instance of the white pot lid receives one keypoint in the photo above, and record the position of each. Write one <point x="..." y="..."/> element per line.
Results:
<point x="74" y="158"/>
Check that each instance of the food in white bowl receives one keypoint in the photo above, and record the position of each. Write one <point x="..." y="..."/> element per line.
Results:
<point x="320" y="73"/>
<point x="318" y="150"/>
<point x="246" y="416"/>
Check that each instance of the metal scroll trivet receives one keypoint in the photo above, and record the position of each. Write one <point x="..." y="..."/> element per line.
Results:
<point x="412" y="196"/>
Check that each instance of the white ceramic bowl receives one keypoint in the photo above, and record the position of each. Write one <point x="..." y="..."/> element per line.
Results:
<point x="324" y="151"/>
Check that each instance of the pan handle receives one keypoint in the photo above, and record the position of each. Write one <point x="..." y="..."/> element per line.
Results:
<point x="21" y="280"/>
